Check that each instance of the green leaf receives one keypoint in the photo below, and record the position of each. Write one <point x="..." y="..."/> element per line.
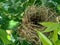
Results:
<point x="55" y="36"/>
<point x="57" y="42"/>
<point x="3" y="36"/>
<point x="48" y="29"/>
<point x="58" y="7"/>
<point x="8" y="37"/>
<point x="12" y="24"/>
<point x="44" y="39"/>
<point x="50" y="26"/>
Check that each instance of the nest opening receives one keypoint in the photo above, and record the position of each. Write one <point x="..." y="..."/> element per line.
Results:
<point x="35" y="19"/>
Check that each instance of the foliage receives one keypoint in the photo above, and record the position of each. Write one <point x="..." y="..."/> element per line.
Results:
<point x="44" y="39"/>
<point x="11" y="13"/>
<point x="51" y="27"/>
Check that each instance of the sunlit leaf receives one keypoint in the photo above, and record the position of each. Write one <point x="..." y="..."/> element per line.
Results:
<point x="3" y="36"/>
<point x="44" y="39"/>
<point x="50" y="26"/>
<point x="8" y="37"/>
<point x="12" y="24"/>
<point x="55" y="36"/>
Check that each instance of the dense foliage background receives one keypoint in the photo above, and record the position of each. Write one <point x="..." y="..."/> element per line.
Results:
<point x="11" y="13"/>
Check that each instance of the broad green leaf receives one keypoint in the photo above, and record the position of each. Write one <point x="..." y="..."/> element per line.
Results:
<point x="12" y="24"/>
<point x="55" y="36"/>
<point x="49" y="29"/>
<point x="50" y="26"/>
<point x="3" y="36"/>
<point x="44" y="39"/>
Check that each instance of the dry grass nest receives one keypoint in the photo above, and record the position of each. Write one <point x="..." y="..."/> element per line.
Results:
<point x="31" y="19"/>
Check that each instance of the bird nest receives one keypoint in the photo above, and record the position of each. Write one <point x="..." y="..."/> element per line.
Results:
<point x="31" y="19"/>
